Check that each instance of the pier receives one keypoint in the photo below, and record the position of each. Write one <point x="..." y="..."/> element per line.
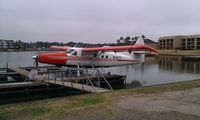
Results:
<point x="86" y="82"/>
<point x="20" y="71"/>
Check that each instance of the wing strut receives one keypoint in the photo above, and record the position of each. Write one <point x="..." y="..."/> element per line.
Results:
<point x="95" y="58"/>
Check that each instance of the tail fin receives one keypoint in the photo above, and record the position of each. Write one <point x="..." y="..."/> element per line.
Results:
<point x="139" y="55"/>
<point x="139" y="41"/>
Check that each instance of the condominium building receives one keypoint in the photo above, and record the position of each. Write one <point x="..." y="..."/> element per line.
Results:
<point x="191" y="42"/>
<point x="6" y="44"/>
<point x="179" y="42"/>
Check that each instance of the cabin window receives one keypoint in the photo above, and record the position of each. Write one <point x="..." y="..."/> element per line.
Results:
<point x="74" y="53"/>
<point x="102" y="56"/>
<point x="70" y="50"/>
<point x="95" y="55"/>
<point x="106" y="56"/>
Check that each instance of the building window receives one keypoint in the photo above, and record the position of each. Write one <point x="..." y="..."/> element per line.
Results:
<point x="163" y="40"/>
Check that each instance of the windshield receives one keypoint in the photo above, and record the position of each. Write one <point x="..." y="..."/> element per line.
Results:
<point x="70" y="50"/>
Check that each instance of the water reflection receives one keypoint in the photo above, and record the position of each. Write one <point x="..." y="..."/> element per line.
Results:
<point x="134" y="83"/>
<point x="159" y="70"/>
<point x="169" y="63"/>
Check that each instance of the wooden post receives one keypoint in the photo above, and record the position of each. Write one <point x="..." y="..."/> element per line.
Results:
<point x="7" y="67"/>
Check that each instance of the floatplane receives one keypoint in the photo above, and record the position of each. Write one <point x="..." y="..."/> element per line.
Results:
<point x="96" y="58"/>
<point x="106" y="56"/>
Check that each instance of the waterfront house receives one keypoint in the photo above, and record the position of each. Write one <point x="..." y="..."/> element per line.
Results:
<point x="6" y="44"/>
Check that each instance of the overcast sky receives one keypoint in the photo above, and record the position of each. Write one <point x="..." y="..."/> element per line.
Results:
<point x="96" y="21"/>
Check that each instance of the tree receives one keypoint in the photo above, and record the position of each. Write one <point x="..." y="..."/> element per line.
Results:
<point x="136" y="37"/>
<point x="121" y="39"/>
<point x="133" y="40"/>
<point x="143" y="37"/>
<point x="127" y="40"/>
<point x="118" y="42"/>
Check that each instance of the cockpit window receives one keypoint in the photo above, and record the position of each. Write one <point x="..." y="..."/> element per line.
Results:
<point x="70" y="50"/>
<point x="74" y="53"/>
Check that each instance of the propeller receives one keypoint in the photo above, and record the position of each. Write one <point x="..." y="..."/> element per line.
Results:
<point x="35" y="58"/>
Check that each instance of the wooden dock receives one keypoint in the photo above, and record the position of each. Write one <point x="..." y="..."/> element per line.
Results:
<point x="20" y="71"/>
<point x="79" y="86"/>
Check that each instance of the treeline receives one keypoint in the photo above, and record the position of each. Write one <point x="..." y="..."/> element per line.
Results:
<point x="40" y="44"/>
<point x="128" y="40"/>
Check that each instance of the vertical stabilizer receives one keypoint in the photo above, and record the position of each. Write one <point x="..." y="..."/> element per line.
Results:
<point x="139" y="55"/>
<point x="139" y="41"/>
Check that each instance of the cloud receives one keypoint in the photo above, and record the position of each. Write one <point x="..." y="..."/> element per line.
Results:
<point x="96" y="21"/>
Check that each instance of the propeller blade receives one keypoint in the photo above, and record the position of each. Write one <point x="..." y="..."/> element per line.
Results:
<point x="35" y="57"/>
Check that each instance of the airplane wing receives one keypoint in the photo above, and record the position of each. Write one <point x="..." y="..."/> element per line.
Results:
<point x="121" y="48"/>
<point x="60" y="47"/>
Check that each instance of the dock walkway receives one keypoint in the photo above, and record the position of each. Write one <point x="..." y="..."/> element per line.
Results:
<point x="78" y="86"/>
<point x="20" y="71"/>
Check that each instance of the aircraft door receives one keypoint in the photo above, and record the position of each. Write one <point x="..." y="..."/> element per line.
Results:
<point x="79" y="52"/>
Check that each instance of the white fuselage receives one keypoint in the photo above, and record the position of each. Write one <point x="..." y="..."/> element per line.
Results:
<point x="105" y="59"/>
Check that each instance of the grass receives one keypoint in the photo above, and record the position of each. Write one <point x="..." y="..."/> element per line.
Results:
<point x="57" y="108"/>
<point x="49" y="107"/>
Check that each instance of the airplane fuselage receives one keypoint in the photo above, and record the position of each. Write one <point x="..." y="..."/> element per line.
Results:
<point x="106" y="59"/>
<point x="105" y="56"/>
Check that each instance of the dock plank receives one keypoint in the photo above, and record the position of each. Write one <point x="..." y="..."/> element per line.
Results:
<point x="20" y="71"/>
<point x="79" y="86"/>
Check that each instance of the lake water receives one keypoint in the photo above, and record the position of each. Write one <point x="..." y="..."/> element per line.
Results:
<point x="154" y="71"/>
<point x="158" y="71"/>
